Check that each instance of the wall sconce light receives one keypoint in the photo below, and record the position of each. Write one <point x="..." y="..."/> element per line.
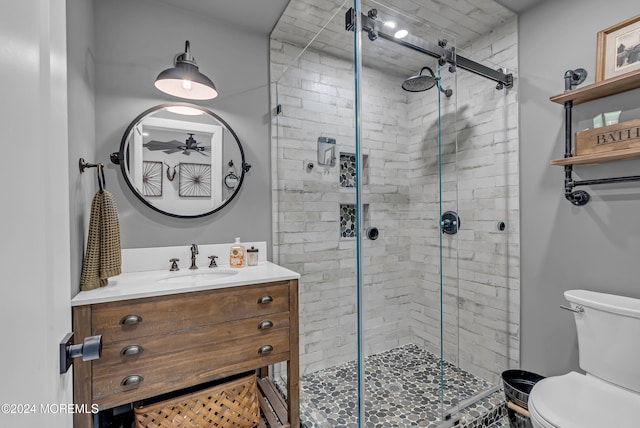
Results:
<point x="185" y="80"/>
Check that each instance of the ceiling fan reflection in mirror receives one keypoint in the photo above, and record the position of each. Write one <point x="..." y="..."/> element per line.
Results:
<point x="174" y="146"/>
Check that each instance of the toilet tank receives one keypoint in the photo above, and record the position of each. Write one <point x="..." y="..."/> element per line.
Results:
<point x="608" y="336"/>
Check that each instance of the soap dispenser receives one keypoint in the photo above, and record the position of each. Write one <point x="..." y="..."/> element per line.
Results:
<point x="237" y="255"/>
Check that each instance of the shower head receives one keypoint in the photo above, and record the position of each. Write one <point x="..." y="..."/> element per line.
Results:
<point x="422" y="83"/>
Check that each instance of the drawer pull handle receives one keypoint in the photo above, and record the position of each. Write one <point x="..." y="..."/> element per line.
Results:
<point x="264" y="325"/>
<point x="265" y="299"/>
<point x="133" y="380"/>
<point x="131" y="319"/>
<point x="266" y="349"/>
<point x="131" y="350"/>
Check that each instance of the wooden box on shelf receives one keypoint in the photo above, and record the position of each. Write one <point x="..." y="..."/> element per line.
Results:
<point x="625" y="135"/>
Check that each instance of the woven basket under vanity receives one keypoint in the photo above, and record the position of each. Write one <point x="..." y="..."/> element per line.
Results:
<point x="232" y="404"/>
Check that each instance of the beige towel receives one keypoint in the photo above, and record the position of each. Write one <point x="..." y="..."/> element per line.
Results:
<point x="102" y="258"/>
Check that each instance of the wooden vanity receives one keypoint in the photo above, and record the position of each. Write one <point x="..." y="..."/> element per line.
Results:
<point x="164" y="343"/>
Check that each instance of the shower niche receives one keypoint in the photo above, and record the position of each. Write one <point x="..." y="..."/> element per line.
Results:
<point x="348" y="170"/>
<point x="348" y="220"/>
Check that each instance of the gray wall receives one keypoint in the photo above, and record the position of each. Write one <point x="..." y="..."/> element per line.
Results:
<point x="134" y="41"/>
<point x="564" y="247"/>
<point x="82" y="141"/>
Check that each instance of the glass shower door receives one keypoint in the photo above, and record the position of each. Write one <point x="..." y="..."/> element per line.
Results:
<point x="406" y="120"/>
<point x="438" y="166"/>
<point x="314" y="208"/>
<point x="378" y="151"/>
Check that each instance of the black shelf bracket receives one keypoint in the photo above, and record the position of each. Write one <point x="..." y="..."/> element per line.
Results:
<point x="576" y="197"/>
<point x="574" y="78"/>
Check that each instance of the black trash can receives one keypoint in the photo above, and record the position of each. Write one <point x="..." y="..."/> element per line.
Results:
<point x="517" y="386"/>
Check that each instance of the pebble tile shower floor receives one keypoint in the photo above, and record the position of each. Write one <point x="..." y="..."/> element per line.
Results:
<point x="402" y="390"/>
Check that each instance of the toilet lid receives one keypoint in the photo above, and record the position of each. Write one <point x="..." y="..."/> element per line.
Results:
<point x="574" y="400"/>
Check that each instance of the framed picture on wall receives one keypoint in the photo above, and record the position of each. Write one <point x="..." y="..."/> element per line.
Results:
<point x="195" y="180"/>
<point x="618" y="49"/>
<point x="151" y="178"/>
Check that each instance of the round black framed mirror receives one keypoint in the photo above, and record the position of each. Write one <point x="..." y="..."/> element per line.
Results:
<point x="177" y="159"/>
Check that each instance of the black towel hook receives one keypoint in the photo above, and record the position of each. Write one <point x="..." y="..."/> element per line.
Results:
<point x="101" y="181"/>
<point x="99" y="171"/>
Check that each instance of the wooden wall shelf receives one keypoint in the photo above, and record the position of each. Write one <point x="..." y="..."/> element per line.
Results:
<point x="604" y="88"/>
<point x="569" y="99"/>
<point x="614" y="155"/>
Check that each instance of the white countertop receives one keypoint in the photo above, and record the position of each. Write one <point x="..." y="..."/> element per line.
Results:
<point x="135" y="285"/>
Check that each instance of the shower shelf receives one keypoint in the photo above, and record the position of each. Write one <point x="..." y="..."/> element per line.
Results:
<point x="572" y="97"/>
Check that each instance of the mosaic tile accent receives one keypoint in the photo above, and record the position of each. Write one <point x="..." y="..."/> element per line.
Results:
<point x="502" y="423"/>
<point x="347" y="221"/>
<point x="402" y="391"/>
<point x="347" y="170"/>
<point x="489" y="411"/>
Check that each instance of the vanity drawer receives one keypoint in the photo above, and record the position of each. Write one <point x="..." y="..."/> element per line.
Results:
<point x="173" y="370"/>
<point x="159" y="315"/>
<point x="126" y="351"/>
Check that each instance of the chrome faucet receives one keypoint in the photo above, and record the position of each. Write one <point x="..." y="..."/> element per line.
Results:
<point x="194" y="251"/>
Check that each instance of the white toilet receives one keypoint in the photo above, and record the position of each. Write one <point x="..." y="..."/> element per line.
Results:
<point x="608" y="396"/>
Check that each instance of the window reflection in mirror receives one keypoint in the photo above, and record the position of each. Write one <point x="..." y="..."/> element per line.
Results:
<point x="177" y="158"/>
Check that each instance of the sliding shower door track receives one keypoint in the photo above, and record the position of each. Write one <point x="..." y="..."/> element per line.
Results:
<point x="375" y="29"/>
<point x="452" y="415"/>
